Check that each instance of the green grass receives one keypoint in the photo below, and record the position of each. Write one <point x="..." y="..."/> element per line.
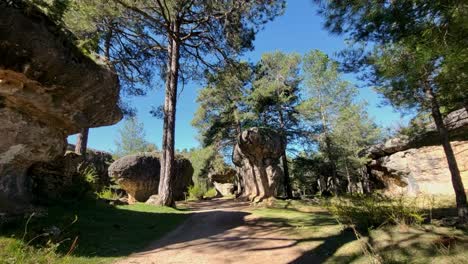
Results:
<point x="330" y="242"/>
<point x="102" y="232"/>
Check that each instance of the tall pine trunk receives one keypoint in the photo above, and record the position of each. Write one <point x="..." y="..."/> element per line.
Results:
<point x="287" y="181"/>
<point x="167" y="173"/>
<point x="333" y="167"/>
<point x="82" y="142"/>
<point x="284" y="158"/>
<point x="460" y="195"/>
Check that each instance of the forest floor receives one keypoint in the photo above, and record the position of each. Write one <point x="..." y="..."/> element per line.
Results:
<point x="219" y="231"/>
<point x="228" y="231"/>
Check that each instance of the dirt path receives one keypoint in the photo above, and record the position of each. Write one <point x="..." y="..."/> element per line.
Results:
<point x="222" y="231"/>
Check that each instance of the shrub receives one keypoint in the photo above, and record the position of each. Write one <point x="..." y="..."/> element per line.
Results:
<point x="211" y="193"/>
<point x="365" y="212"/>
<point x="108" y="194"/>
<point x="196" y="192"/>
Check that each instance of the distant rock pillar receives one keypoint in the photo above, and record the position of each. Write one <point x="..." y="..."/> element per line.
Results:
<point x="257" y="157"/>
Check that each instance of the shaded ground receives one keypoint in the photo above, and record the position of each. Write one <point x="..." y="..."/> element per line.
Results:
<point x="225" y="231"/>
<point x="90" y="231"/>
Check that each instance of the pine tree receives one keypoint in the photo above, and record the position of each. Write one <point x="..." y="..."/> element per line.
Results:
<point x="274" y="99"/>
<point x="418" y="59"/>
<point x="353" y="131"/>
<point x="222" y="112"/>
<point x="326" y="94"/>
<point x="131" y="138"/>
<point x="185" y="38"/>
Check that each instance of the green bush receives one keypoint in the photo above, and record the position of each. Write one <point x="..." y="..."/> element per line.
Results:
<point x="108" y="193"/>
<point x="366" y="212"/>
<point x="196" y="192"/>
<point x="84" y="184"/>
<point x="211" y="193"/>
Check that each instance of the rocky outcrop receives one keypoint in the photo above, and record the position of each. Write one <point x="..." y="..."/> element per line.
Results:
<point x="256" y="156"/>
<point x="456" y="122"/>
<point x="224" y="189"/>
<point x="138" y="175"/>
<point x="153" y="200"/>
<point x="52" y="181"/>
<point x="419" y="170"/>
<point x="48" y="90"/>
<point x="65" y="176"/>
<point x="223" y="181"/>
<point x="100" y="162"/>
<point x="419" y="165"/>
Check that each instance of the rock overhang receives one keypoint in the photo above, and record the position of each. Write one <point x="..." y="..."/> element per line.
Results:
<point x="41" y="68"/>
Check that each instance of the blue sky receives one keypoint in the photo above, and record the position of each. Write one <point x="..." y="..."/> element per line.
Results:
<point x="300" y="30"/>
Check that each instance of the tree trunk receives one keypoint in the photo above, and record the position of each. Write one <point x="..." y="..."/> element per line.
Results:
<point x="287" y="182"/>
<point x="334" y="170"/>
<point x="82" y="142"/>
<point x="167" y="173"/>
<point x="457" y="182"/>
<point x="284" y="158"/>
<point x="348" y="177"/>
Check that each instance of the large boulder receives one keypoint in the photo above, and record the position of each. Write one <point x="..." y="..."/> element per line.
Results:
<point x="138" y="175"/>
<point x="223" y="181"/>
<point x="48" y="90"/>
<point x="257" y="156"/>
<point x="419" y="165"/>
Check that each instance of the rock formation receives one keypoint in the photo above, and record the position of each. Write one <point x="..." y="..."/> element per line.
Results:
<point x="138" y="175"/>
<point x="48" y="90"/>
<point x="100" y="161"/>
<point x="223" y="181"/>
<point x="419" y="165"/>
<point x="256" y="156"/>
<point x="50" y="181"/>
<point x="64" y="177"/>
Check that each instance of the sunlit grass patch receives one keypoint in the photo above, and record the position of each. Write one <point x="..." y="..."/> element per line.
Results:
<point x="88" y="232"/>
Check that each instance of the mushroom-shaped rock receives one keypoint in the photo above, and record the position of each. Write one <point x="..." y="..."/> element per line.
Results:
<point x="138" y="175"/>
<point x="256" y="156"/>
<point x="48" y="90"/>
<point x="223" y="181"/>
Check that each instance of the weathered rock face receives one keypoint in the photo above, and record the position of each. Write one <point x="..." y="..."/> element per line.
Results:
<point x="228" y="175"/>
<point x="413" y="166"/>
<point x="224" y="189"/>
<point x="420" y="170"/>
<point x="223" y="181"/>
<point x="184" y="173"/>
<point x="138" y="175"/>
<point x="48" y="90"/>
<point x="63" y="178"/>
<point x="52" y="180"/>
<point x="456" y="122"/>
<point x="153" y="200"/>
<point x="256" y="156"/>
<point x="100" y="161"/>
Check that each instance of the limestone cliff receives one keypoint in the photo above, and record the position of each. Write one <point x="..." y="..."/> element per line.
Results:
<point x="419" y="165"/>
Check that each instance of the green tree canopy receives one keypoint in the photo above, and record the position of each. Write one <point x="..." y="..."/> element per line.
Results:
<point x="131" y="139"/>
